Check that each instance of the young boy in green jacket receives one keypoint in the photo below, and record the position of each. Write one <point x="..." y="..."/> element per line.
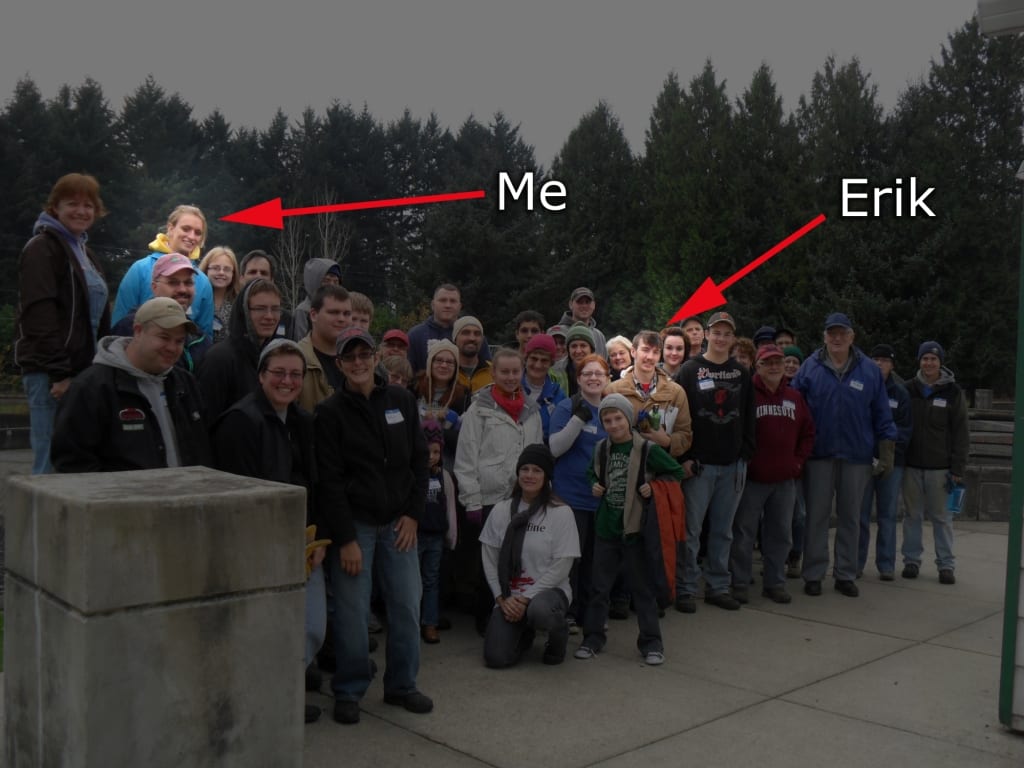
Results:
<point x="619" y="476"/>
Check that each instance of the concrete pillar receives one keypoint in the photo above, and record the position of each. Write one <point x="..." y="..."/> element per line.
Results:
<point x="153" y="619"/>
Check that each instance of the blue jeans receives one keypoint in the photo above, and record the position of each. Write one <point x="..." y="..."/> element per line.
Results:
<point x="887" y="492"/>
<point x="431" y="547"/>
<point x="400" y="584"/>
<point x="42" y="410"/>
<point x="711" y="498"/>
<point x="316" y="613"/>
<point x="924" y="491"/>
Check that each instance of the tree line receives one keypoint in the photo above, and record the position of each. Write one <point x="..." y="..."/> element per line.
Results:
<point x="717" y="182"/>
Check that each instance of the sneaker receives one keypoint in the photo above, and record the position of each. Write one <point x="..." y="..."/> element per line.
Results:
<point x="346" y="712"/>
<point x="946" y="576"/>
<point x="585" y="652"/>
<point x="910" y="571"/>
<point x="741" y="594"/>
<point x="654" y="658"/>
<point x="723" y="600"/>
<point x="312" y="713"/>
<point x="686" y="604"/>
<point x="847" y="587"/>
<point x="812" y="588"/>
<point x="887" y="575"/>
<point x="414" y="701"/>
<point x="777" y="594"/>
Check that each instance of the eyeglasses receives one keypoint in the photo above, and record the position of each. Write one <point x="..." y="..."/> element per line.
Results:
<point x="265" y="310"/>
<point x="280" y="374"/>
<point x="177" y="283"/>
<point x="446" y="363"/>
<point x="351" y="357"/>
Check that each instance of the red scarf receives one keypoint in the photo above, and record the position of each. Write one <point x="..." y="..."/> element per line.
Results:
<point x="511" y="404"/>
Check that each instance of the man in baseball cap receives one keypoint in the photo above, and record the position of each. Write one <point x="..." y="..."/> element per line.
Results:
<point x="133" y="408"/>
<point x="581" y="310"/>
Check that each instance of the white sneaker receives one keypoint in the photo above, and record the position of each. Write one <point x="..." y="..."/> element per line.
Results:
<point x="654" y="658"/>
<point x="585" y="652"/>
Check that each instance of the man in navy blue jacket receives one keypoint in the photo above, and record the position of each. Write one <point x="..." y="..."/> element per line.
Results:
<point x="847" y="398"/>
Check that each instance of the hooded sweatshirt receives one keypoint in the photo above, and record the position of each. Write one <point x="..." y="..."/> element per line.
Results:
<point x="111" y="352"/>
<point x="940" y="437"/>
<point x="599" y="341"/>
<point x="313" y="275"/>
<point x="227" y="372"/>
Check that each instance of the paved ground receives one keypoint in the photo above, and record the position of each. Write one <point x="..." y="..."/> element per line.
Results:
<point x="905" y="675"/>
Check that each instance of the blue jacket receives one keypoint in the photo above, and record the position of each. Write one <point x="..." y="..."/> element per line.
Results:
<point x="570" y="482"/>
<point x="135" y="290"/>
<point x="850" y="413"/>
<point x="550" y="395"/>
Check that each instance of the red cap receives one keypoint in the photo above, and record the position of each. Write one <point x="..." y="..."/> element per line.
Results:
<point x="394" y="333"/>
<point x="768" y="350"/>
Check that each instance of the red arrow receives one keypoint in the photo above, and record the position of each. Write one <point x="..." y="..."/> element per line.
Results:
<point x="270" y="214"/>
<point x="709" y="295"/>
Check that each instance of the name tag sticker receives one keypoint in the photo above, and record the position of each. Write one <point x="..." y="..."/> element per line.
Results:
<point x="393" y="416"/>
<point x="789" y="405"/>
<point x="858" y="385"/>
<point x="705" y="384"/>
<point x="940" y="402"/>
<point x="893" y="404"/>
<point x="590" y="429"/>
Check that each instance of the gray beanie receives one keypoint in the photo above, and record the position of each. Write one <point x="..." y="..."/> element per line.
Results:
<point x="277" y="343"/>
<point x="620" y="402"/>
<point x="464" y="322"/>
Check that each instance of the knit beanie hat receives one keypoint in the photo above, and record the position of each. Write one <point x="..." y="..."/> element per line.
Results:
<point x="539" y="455"/>
<point x="580" y="332"/>
<point x="618" y="401"/>
<point x="464" y="322"/>
<point x="440" y="345"/>
<point x="931" y="348"/>
<point x="793" y="351"/>
<point x="883" y="350"/>
<point x="541" y="342"/>
<point x="273" y="344"/>
<point x="433" y="432"/>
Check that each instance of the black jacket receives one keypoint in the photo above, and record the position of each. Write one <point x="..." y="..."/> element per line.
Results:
<point x="53" y="331"/>
<point x="371" y="459"/>
<point x="250" y="439"/>
<point x="105" y="424"/>
<point x="227" y="372"/>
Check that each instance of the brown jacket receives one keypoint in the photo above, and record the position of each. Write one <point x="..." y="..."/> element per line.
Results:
<point x="670" y="399"/>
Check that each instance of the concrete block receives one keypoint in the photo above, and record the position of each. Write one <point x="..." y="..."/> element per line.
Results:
<point x="172" y="633"/>
<point x="113" y="540"/>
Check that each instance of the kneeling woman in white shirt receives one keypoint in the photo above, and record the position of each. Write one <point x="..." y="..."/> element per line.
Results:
<point x="528" y="547"/>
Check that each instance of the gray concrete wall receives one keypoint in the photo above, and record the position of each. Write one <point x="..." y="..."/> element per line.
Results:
<point x="153" y="618"/>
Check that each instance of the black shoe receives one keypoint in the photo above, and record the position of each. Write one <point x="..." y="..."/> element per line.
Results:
<point x="554" y="656"/>
<point x="346" y="712"/>
<point x="777" y="594"/>
<point x="910" y="571"/>
<point x="847" y="587"/>
<point x="723" y="600"/>
<point x="946" y="576"/>
<point x="619" y="610"/>
<point x="415" y="701"/>
<point x="812" y="588"/>
<point x="312" y="713"/>
<point x="313" y="678"/>
<point x="741" y="594"/>
<point x="686" y="604"/>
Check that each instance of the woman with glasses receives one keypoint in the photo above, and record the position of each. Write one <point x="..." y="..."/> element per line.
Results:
<point x="575" y="430"/>
<point x="228" y="371"/>
<point x="186" y="233"/>
<point x="267" y="435"/>
<point x="221" y="268"/>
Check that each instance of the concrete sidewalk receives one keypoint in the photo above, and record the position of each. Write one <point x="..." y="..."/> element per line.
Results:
<point x="905" y="675"/>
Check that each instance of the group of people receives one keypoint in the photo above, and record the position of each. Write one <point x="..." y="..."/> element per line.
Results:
<point x="547" y="485"/>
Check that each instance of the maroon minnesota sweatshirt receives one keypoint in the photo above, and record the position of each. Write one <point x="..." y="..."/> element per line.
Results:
<point x="785" y="433"/>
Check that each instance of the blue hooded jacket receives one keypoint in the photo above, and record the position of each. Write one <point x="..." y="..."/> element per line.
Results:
<point x="135" y="290"/>
<point x="851" y="412"/>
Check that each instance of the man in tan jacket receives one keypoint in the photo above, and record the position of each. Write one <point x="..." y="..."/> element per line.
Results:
<point x="330" y="313"/>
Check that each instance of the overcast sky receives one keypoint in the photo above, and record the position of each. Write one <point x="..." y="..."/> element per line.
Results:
<point x="544" y="64"/>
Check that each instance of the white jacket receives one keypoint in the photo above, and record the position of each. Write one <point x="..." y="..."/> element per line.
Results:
<point x="489" y="446"/>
